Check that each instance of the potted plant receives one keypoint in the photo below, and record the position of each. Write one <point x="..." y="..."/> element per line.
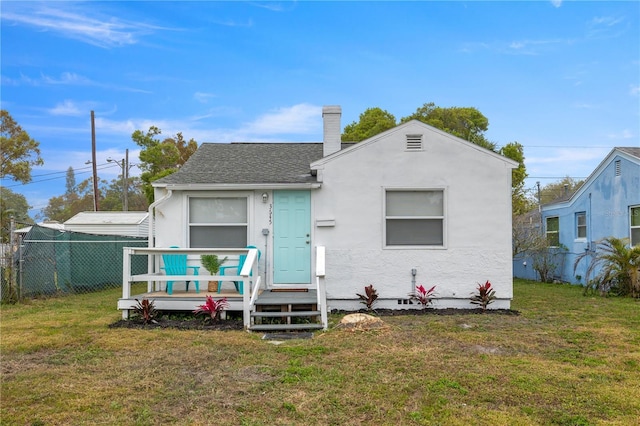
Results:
<point x="212" y="263"/>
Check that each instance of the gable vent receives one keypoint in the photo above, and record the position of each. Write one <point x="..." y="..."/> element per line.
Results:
<point x="414" y="142"/>
<point x="618" y="172"/>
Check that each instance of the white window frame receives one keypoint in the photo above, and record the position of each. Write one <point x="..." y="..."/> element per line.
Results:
<point x="634" y="211"/>
<point x="548" y="233"/>
<point x="442" y="217"/>
<point x="244" y="224"/>
<point x="579" y="226"/>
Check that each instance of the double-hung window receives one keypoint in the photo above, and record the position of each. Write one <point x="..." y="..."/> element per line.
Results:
<point x="553" y="231"/>
<point x="634" y="212"/>
<point x="581" y="225"/>
<point x="218" y="222"/>
<point x="414" y="218"/>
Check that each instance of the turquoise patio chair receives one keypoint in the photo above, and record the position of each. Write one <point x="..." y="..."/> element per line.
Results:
<point x="236" y="269"/>
<point x="176" y="264"/>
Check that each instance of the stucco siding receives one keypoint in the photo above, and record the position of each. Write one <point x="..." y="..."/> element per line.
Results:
<point x="477" y="218"/>
<point x="348" y="217"/>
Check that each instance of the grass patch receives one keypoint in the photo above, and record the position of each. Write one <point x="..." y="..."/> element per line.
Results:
<point x="565" y="360"/>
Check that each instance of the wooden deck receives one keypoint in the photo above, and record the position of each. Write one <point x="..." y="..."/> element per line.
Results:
<point x="256" y="304"/>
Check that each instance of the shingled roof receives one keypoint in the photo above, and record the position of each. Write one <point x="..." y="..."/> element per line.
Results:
<point x="246" y="163"/>
<point x="630" y="150"/>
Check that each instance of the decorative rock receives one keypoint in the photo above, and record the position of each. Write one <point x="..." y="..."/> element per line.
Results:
<point x="361" y="322"/>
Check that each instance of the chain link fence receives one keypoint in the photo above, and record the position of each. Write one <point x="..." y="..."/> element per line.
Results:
<point x="45" y="262"/>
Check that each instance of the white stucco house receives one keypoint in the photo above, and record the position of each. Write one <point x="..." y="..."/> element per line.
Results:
<point x="411" y="206"/>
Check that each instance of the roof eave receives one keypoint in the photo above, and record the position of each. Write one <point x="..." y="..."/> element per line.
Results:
<point x="237" y="186"/>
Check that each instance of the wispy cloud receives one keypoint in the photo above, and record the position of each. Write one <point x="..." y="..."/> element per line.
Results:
<point x="67" y="108"/>
<point x="567" y="156"/>
<point x="517" y="47"/>
<point x="603" y="27"/>
<point x="66" y="78"/>
<point x="634" y="90"/>
<point x="278" y="125"/>
<point x="585" y="105"/>
<point x="233" y="23"/>
<point x="202" y="97"/>
<point x="557" y="163"/>
<point x="297" y="119"/>
<point x="556" y="3"/>
<point x="101" y="31"/>
<point x="624" y="135"/>
<point x="534" y="47"/>
<point x="275" y="6"/>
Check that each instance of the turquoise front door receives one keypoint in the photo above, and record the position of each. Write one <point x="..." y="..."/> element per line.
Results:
<point x="291" y="237"/>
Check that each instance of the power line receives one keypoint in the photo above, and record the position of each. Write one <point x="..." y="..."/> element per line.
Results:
<point x="568" y="147"/>
<point x="555" y="177"/>
<point x="64" y="172"/>
<point x="101" y="167"/>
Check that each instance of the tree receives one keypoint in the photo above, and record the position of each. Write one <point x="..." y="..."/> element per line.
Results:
<point x="464" y="122"/>
<point x="113" y="196"/>
<point x="14" y="206"/>
<point x="186" y="149"/>
<point x="519" y="200"/>
<point x="18" y="152"/>
<point x="529" y="242"/>
<point x="563" y="188"/>
<point x="71" y="182"/>
<point x="372" y="122"/>
<point x="66" y="206"/>
<point x="160" y="158"/>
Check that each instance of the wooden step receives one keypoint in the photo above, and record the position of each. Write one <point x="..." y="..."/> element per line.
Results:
<point x="286" y="301"/>
<point x="287" y="298"/>
<point x="283" y="327"/>
<point x="286" y="314"/>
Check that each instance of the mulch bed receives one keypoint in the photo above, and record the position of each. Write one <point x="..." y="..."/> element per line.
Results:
<point x="188" y="321"/>
<point x="429" y="311"/>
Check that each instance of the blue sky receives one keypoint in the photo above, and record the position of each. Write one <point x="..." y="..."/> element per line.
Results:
<point x="560" y="77"/>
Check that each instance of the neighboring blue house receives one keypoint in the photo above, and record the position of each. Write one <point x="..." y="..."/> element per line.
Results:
<point x="606" y="205"/>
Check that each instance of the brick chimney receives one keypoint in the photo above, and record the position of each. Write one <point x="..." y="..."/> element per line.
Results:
<point x="331" y="129"/>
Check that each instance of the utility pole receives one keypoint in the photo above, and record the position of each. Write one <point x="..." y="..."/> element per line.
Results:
<point x="124" y="165"/>
<point x="125" y="174"/>
<point x="95" y="165"/>
<point x="539" y="204"/>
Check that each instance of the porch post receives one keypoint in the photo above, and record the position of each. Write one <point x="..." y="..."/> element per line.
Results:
<point x="126" y="276"/>
<point x="320" y="285"/>
<point x="246" y="294"/>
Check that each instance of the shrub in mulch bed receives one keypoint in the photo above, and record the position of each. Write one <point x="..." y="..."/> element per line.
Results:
<point x="430" y="311"/>
<point x="181" y="321"/>
<point x="189" y="321"/>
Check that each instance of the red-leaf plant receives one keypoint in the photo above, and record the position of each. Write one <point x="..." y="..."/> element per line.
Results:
<point x="213" y="308"/>
<point x="369" y="297"/>
<point x="484" y="296"/>
<point x="423" y="296"/>
<point x="146" y="310"/>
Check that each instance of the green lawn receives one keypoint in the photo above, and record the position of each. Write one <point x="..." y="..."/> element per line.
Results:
<point x="565" y="360"/>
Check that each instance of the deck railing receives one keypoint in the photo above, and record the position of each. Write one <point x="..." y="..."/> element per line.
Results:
<point x="154" y="276"/>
